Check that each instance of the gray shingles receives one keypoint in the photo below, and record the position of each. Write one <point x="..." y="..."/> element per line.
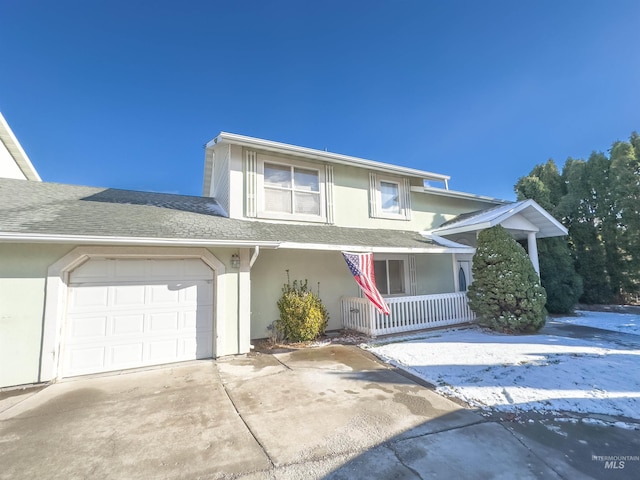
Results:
<point x="58" y="209"/>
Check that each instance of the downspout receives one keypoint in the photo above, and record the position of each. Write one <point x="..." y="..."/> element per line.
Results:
<point x="254" y="257"/>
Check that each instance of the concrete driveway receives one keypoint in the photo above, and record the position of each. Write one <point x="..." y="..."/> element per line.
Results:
<point x="331" y="412"/>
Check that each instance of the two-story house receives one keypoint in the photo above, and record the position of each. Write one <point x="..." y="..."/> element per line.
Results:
<point x="421" y="233"/>
<point x="96" y="280"/>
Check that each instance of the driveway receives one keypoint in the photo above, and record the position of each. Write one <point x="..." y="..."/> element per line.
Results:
<point x="331" y="412"/>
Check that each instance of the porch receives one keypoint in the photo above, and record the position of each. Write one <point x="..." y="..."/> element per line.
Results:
<point x="407" y="313"/>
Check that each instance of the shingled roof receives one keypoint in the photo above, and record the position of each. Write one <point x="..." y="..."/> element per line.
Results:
<point x="34" y="211"/>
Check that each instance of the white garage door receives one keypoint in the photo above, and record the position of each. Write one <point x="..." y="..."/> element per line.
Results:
<point x="125" y="313"/>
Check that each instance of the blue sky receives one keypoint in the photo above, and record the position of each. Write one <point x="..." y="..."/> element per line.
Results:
<point x="126" y="93"/>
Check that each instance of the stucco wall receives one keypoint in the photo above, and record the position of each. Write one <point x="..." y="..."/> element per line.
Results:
<point x="23" y="271"/>
<point x="268" y="275"/>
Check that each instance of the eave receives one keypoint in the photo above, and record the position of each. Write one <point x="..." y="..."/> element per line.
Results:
<point x="319" y="155"/>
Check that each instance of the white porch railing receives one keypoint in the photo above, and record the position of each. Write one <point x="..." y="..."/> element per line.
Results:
<point x="407" y="313"/>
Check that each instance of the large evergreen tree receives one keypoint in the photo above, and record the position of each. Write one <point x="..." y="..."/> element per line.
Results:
<point x="598" y="200"/>
<point x="557" y="271"/>
<point x="506" y="294"/>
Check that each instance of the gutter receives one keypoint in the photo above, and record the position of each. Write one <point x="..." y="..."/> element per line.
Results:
<point x="284" y="148"/>
<point x="106" y="240"/>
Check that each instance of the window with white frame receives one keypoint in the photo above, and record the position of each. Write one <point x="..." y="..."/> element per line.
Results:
<point x="391" y="276"/>
<point x="291" y="189"/>
<point x="390" y="197"/>
<point x="288" y="189"/>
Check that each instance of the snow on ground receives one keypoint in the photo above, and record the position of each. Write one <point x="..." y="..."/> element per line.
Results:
<point x="526" y="372"/>
<point x="617" y="322"/>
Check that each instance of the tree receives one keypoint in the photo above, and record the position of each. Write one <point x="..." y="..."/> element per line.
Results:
<point x="557" y="270"/>
<point x="506" y="294"/>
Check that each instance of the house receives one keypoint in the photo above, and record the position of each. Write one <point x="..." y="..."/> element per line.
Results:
<point x="98" y="279"/>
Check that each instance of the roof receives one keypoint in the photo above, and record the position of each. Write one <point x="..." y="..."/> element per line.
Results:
<point x="59" y="213"/>
<point x="329" y="157"/>
<point x="16" y="151"/>
<point x="535" y="218"/>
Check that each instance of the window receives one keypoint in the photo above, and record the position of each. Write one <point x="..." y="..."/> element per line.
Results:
<point x="290" y="189"/>
<point x="390" y="276"/>
<point x="390" y="197"/>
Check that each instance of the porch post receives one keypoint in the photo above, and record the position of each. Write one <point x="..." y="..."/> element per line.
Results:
<point x="533" y="251"/>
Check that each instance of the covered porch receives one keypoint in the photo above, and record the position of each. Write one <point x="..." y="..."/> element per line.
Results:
<point x="525" y="220"/>
<point x="408" y="313"/>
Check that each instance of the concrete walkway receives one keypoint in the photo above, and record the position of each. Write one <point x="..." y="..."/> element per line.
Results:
<point x="332" y="412"/>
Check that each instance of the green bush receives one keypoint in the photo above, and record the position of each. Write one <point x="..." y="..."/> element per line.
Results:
<point x="302" y="314"/>
<point x="506" y="294"/>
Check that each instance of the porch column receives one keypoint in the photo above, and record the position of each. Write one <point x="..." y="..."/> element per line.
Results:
<point x="533" y="251"/>
<point x="244" y="302"/>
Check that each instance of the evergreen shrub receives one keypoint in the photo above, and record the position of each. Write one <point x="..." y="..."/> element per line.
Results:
<point x="303" y="316"/>
<point x="506" y="294"/>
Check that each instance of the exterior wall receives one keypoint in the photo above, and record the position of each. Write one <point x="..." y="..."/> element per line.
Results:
<point x="351" y="196"/>
<point x="23" y="283"/>
<point x="268" y="275"/>
<point x="434" y="274"/>
<point x="8" y="166"/>
<point x="220" y="188"/>
<point x="23" y="272"/>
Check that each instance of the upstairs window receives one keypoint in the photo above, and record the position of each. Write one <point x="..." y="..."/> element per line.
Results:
<point x="289" y="189"/>
<point x="390" y="197"/>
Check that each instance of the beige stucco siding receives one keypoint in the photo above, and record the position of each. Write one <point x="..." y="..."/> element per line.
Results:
<point x="268" y="275"/>
<point x="434" y="274"/>
<point x="23" y="271"/>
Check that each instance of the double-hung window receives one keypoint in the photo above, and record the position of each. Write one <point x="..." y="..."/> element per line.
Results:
<point x="289" y="189"/>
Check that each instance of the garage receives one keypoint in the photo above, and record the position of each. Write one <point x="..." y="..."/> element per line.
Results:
<point x="126" y="313"/>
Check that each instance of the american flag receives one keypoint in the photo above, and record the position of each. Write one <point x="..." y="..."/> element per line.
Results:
<point x="361" y="266"/>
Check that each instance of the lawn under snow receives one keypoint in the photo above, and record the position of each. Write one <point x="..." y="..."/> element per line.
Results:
<point x="509" y="373"/>
<point x="617" y="322"/>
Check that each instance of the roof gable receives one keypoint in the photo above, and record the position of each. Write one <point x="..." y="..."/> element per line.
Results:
<point x="15" y="160"/>
<point x="519" y="217"/>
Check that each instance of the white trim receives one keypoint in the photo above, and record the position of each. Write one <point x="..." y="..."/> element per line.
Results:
<point x="251" y="183"/>
<point x="10" y="141"/>
<point x="375" y="197"/>
<point x="405" y="270"/>
<point x="360" y="248"/>
<point x="413" y="275"/>
<point x="293" y="164"/>
<point x="329" y="193"/>
<point x="283" y="148"/>
<point x="106" y="240"/>
<point x="455" y="194"/>
<point x="57" y="286"/>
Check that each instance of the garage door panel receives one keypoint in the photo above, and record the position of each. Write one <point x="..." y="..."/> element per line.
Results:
<point x="127" y="295"/>
<point x="126" y="355"/>
<point x="163" y="294"/>
<point x="136" y="318"/>
<point x="163" y="322"/>
<point x="166" y="350"/>
<point x="127" y="324"/>
<point x="91" y="297"/>
<point x="83" y="327"/>
<point x="85" y="360"/>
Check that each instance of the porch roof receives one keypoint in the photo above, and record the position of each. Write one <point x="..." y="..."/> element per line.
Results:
<point x="57" y="213"/>
<point x="536" y="219"/>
